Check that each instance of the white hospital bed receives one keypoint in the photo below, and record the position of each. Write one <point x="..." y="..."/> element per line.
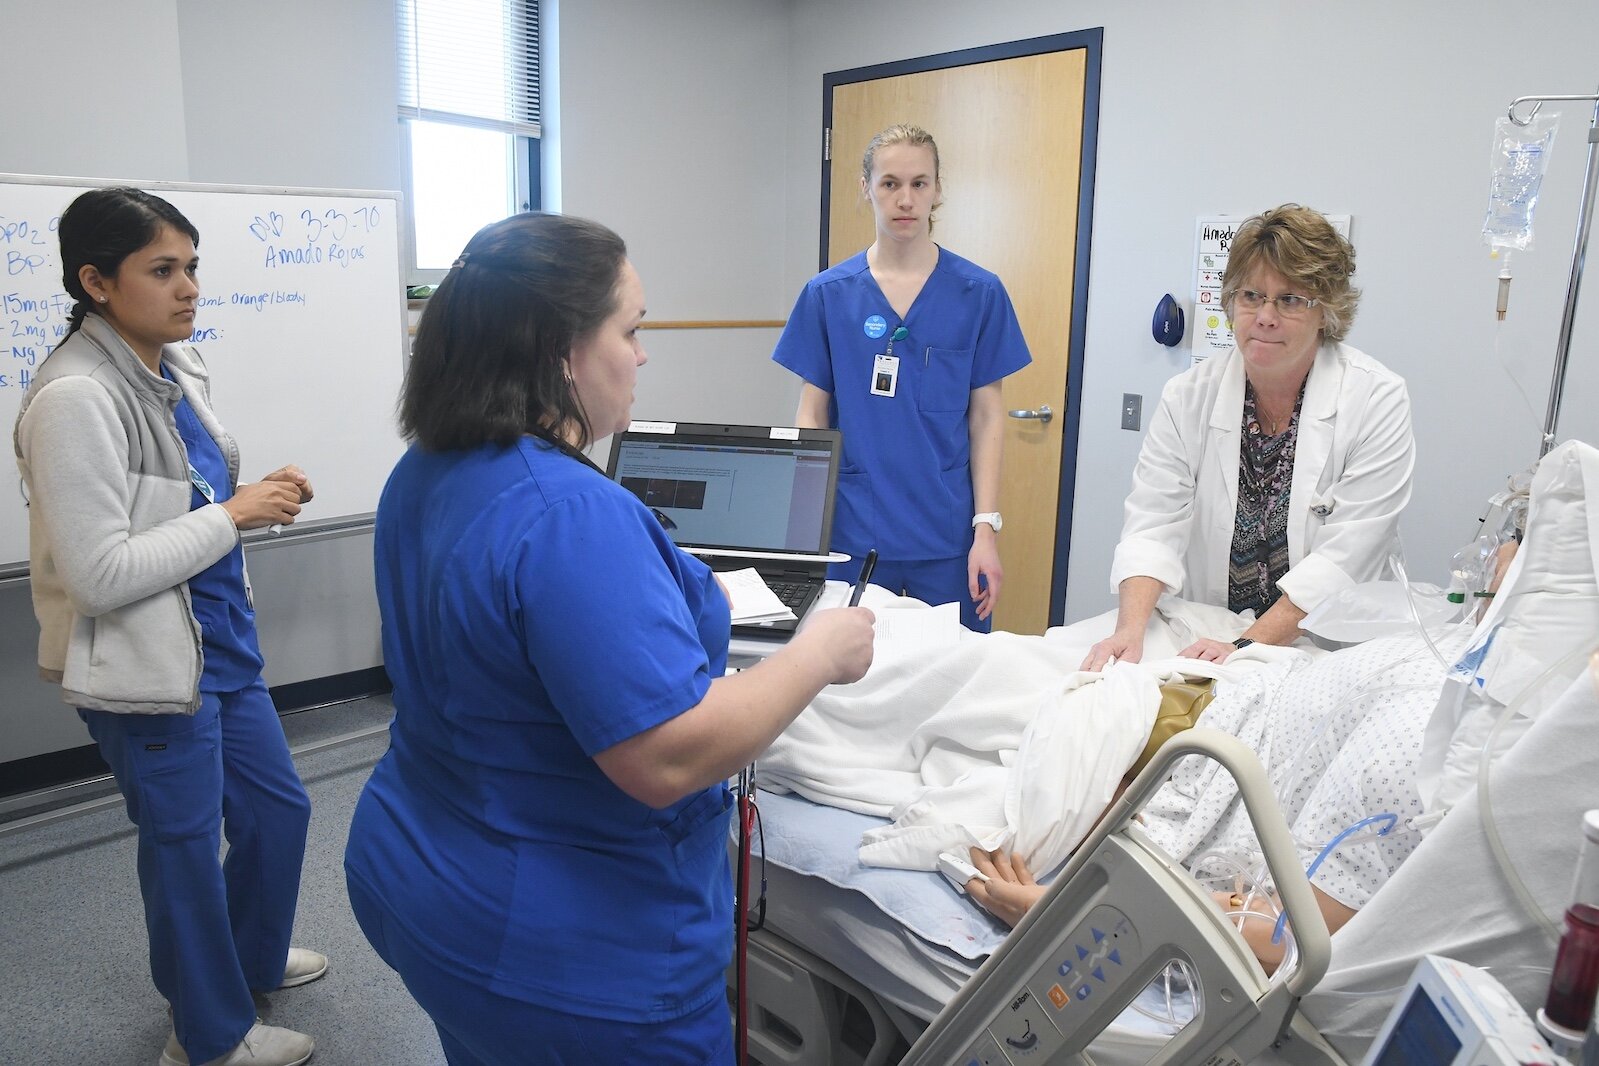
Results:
<point x="1079" y="957"/>
<point x="835" y="980"/>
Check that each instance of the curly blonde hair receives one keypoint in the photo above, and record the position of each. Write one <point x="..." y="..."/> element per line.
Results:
<point x="1301" y="245"/>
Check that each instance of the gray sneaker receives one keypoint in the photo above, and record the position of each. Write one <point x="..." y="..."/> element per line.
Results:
<point x="263" y="1045"/>
<point x="303" y="967"/>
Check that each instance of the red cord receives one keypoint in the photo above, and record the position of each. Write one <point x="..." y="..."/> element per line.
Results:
<point x="741" y="910"/>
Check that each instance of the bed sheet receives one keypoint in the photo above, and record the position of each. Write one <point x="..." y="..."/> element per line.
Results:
<point x="905" y="934"/>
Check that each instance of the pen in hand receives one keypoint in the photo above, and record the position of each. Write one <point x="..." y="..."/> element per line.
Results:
<point x="866" y="576"/>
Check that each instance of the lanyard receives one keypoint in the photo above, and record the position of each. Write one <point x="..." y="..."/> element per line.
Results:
<point x="567" y="450"/>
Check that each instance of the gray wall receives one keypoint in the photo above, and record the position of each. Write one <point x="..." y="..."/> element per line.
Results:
<point x="692" y="128"/>
<point x="1381" y="110"/>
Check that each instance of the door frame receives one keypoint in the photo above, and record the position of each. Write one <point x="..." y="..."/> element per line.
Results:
<point x="1091" y="42"/>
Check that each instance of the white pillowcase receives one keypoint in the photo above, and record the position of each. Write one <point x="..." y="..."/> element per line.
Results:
<point x="1375" y="609"/>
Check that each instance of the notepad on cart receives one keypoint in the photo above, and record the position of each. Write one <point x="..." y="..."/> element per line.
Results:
<point x="750" y="600"/>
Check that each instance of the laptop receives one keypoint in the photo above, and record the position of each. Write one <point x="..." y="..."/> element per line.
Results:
<point x="739" y="497"/>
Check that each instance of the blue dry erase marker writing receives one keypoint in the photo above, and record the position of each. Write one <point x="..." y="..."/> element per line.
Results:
<point x="866" y="575"/>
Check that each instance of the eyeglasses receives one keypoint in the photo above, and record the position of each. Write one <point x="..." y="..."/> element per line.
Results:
<point x="1288" y="305"/>
<point x="663" y="518"/>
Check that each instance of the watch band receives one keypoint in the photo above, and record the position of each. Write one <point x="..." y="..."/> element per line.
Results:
<point x="991" y="517"/>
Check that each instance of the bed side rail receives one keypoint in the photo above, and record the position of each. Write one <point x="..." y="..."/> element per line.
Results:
<point x="1117" y="914"/>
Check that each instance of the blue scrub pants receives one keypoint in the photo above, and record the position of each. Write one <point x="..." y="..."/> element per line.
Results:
<point x="477" y="1027"/>
<point x="933" y="581"/>
<point x="217" y="929"/>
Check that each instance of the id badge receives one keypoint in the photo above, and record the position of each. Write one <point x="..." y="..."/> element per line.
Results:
<point x="885" y="375"/>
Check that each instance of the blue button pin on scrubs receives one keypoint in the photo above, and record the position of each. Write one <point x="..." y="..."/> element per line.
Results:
<point x="875" y="326"/>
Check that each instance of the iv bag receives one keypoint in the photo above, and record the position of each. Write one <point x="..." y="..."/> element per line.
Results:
<point x="1520" y="158"/>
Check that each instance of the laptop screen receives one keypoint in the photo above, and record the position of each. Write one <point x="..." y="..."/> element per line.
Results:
<point x="747" y="488"/>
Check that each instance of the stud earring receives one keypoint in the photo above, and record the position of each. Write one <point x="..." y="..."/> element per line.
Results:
<point x="102" y="299"/>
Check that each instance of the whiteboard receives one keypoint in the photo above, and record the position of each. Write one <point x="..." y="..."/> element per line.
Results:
<point x="301" y="321"/>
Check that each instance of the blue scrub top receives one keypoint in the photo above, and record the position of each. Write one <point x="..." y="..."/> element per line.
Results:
<point x="905" y="484"/>
<point x="534" y="614"/>
<point x="230" y="649"/>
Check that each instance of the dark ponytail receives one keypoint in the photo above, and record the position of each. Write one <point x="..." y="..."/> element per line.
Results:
<point x="103" y="227"/>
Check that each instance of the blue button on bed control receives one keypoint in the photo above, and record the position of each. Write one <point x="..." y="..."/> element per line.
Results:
<point x="1115" y="956"/>
<point x="1099" y="974"/>
<point x="1065" y="969"/>
<point x="1082" y="953"/>
<point x="1084" y="991"/>
<point x="1098" y="936"/>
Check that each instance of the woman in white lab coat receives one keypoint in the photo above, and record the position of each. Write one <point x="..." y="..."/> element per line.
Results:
<point x="1274" y="477"/>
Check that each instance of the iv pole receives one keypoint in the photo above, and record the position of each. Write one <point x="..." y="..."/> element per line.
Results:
<point x="1584" y="220"/>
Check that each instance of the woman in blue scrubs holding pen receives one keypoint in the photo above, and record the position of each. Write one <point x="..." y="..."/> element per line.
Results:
<point x="542" y="854"/>
<point x="903" y="347"/>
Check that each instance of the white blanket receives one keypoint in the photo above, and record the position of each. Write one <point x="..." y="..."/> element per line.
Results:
<point x="998" y="741"/>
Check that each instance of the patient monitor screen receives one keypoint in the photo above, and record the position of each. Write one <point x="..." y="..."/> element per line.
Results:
<point x="762" y="496"/>
<point x="1422" y="1037"/>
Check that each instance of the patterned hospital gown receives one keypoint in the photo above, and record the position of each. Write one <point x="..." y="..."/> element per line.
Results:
<point x="1340" y="736"/>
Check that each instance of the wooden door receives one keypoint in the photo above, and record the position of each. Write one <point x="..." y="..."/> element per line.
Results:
<point x="1010" y="135"/>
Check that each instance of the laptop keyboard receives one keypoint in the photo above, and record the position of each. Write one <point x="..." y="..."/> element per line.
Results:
<point x="792" y="593"/>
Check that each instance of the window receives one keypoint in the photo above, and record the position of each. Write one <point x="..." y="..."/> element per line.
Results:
<point x="469" y="97"/>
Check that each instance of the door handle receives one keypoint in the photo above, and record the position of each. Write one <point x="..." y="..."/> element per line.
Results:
<point x="1043" y="414"/>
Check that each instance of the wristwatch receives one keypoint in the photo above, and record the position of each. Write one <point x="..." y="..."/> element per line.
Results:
<point x="1242" y="642"/>
<point x="991" y="517"/>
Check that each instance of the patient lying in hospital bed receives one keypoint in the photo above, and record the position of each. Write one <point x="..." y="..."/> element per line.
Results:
<point x="1341" y="734"/>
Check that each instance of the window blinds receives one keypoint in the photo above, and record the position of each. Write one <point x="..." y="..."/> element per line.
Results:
<point x="470" y="63"/>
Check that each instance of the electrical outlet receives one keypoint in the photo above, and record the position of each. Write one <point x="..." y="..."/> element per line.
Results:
<point x="1132" y="411"/>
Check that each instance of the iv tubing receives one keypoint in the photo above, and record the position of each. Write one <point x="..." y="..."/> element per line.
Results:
<point x="1392" y="819"/>
<point x="1415" y="612"/>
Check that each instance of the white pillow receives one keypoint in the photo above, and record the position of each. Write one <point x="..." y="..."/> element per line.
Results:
<point x="1546" y="609"/>
<point x="1375" y="609"/>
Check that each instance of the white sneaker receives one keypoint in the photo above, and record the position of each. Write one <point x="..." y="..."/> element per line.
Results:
<point x="263" y="1045"/>
<point x="303" y="967"/>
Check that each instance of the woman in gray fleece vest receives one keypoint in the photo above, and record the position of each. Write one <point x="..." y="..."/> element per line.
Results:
<point x="145" y="619"/>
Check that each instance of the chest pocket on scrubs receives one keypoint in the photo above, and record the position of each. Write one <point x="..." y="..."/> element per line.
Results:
<point x="946" y="379"/>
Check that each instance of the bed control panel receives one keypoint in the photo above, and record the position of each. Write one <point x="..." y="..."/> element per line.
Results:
<point x="1122" y="913"/>
<point x="1089" y="963"/>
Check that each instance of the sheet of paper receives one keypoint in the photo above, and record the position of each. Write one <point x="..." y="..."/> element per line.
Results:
<point x="922" y="628"/>
<point x="750" y="599"/>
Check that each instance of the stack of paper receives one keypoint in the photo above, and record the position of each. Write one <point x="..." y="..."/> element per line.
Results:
<point x="750" y="600"/>
<point x="920" y="629"/>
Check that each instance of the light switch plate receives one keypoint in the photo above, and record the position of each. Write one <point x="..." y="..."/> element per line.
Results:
<point x="1132" y="411"/>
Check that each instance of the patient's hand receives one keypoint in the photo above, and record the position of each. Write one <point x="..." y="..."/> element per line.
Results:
<point x="1010" y="889"/>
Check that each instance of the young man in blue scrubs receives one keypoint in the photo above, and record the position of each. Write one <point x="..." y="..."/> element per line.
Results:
<point x="904" y="347"/>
